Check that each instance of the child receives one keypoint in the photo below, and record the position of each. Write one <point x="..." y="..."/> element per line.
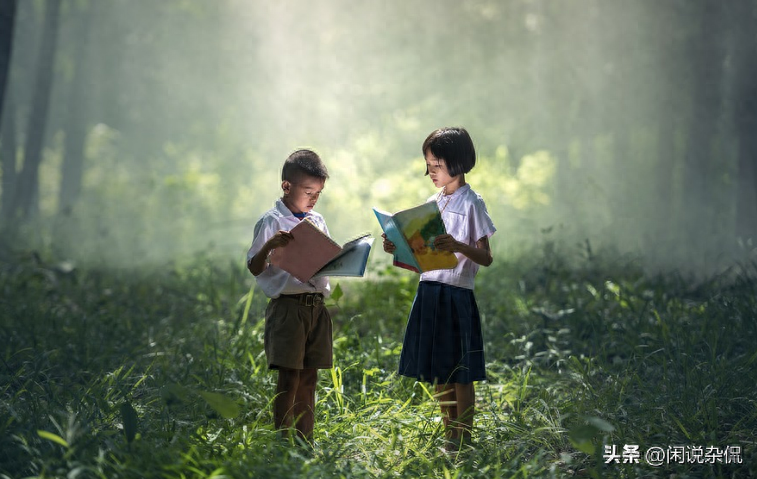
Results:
<point x="297" y="324"/>
<point x="443" y="342"/>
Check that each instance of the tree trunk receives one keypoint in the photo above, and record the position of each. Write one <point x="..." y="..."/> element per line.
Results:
<point x="666" y="102"/>
<point x="7" y="21"/>
<point x="76" y="124"/>
<point x="8" y="149"/>
<point x="706" y="57"/>
<point x="27" y="187"/>
<point x="743" y="100"/>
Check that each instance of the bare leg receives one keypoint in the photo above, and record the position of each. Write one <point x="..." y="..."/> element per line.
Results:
<point x="283" y="403"/>
<point x="445" y="393"/>
<point x="466" y="409"/>
<point x="304" y="405"/>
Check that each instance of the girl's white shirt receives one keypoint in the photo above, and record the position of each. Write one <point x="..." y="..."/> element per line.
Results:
<point x="275" y="281"/>
<point x="467" y="220"/>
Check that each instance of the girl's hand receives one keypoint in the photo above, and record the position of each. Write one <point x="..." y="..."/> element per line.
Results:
<point x="447" y="243"/>
<point x="388" y="245"/>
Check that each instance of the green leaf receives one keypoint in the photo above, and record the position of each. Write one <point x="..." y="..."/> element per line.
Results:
<point x="173" y="393"/>
<point x="581" y="437"/>
<point x="584" y="437"/>
<point x="600" y="424"/>
<point x="53" y="437"/>
<point x="337" y="293"/>
<point x="129" y="419"/>
<point x="225" y="406"/>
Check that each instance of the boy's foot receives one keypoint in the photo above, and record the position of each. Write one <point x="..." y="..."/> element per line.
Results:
<point x="305" y="445"/>
<point x="451" y="446"/>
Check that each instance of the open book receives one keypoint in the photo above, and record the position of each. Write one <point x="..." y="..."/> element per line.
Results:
<point x="312" y="253"/>
<point x="413" y="232"/>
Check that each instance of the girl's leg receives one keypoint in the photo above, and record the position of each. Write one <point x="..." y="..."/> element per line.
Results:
<point x="283" y="403"/>
<point x="466" y="409"/>
<point x="304" y="403"/>
<point x="445" y="394"/>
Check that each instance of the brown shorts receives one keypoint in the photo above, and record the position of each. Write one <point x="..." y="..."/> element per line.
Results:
<point x="298" y="332"/>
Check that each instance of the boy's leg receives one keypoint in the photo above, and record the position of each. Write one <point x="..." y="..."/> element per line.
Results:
<point x="304" y="403"/>
<point x="283" y="403"/>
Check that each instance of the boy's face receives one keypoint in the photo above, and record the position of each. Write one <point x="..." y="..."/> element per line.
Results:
<point x="437" y="170"/>
<point x="301" y="196"/>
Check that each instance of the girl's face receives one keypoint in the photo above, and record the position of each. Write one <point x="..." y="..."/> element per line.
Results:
<point x="437" y="170"/>
<point x="302" y="196"/>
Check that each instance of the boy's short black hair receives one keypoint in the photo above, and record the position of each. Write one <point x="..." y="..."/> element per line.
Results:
<point x="454" y="146"/>
<point x="303" y="162"/>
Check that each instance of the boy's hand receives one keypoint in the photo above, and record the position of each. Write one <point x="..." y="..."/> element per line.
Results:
<point x="388" y="245"/>
<point x="447" y="243"/>
<point x="258" y="263"/>
<point x="279" y="240"/>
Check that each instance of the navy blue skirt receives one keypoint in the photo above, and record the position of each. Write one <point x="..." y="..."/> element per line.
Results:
<point x="443" y="341"/>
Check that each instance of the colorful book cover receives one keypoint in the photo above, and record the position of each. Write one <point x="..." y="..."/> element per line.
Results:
<point x="313" y="253"/>
<point x="413" y="232"/>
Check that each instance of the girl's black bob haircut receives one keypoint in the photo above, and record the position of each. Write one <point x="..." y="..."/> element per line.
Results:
<point x="454" y="146"/>
<point x="303" y="163"/>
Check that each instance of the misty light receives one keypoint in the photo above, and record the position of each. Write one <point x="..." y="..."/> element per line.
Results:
<point x="168" y="122"/>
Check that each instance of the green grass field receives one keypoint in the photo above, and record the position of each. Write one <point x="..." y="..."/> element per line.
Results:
<point x="114" y="374"/>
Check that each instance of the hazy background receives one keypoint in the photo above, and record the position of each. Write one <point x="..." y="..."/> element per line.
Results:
<point x="137" y="132"/>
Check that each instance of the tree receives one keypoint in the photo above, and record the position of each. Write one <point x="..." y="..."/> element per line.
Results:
<point x="705" y="78"/>
<point x="7" y="159"/>
<point x="27" y="188"/>
<point x="76" y="124"/>
<point x="743" y="105"/>
<point x="7" y="21"/>
<point x="7" y="127"/>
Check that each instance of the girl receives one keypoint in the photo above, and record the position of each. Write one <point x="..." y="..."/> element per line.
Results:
<point x="443" y="344"/>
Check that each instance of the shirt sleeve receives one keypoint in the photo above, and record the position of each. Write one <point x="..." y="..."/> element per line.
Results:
<point x="264" y="230"/>
<point x="481" y="224"/>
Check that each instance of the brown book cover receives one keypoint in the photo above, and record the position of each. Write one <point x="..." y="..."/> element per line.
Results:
<point x="312" y="250"/>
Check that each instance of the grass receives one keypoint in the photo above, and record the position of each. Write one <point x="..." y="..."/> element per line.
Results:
<point x="120" y="374"/>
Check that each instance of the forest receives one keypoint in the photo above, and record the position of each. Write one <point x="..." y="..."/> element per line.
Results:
<point x="140" y="141"/>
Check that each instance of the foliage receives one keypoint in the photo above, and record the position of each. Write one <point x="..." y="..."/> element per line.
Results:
<point x="605" y="117"/>
<point x="134" y="373"/>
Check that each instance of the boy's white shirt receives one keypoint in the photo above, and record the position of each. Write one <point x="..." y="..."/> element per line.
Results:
<point x="275" y="281"/>
<point x="467" y="220"/>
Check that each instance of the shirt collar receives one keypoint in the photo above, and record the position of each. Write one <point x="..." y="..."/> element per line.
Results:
<point x="456" y="206"/>
<point x="461" y="189"/>
<point x="282" y="208"/>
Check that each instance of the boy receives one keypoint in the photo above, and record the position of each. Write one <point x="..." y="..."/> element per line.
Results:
<point x="297" y="324"/>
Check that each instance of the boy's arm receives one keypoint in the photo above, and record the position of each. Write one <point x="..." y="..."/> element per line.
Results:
<point x="258" y="263"/>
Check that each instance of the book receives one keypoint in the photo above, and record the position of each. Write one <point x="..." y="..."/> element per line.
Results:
<point x="413" y="232"/>
<point x="312" y="253"/>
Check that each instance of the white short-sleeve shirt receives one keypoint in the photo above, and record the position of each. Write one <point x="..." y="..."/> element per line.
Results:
<point x="275" y="281"/>
<point x="467" y="220"/>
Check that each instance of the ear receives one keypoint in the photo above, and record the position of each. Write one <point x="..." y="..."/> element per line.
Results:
<point x="286" y="186"/>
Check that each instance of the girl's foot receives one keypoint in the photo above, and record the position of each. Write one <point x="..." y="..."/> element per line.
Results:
<point x="456" y="445"/>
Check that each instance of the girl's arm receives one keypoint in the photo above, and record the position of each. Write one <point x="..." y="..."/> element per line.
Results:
<point x="480" y="253"/>
<point x="389" y="247"/>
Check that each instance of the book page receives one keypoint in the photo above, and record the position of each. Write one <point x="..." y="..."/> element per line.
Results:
<point x="310" y="249"/>
<point x="420" y="226"/>
<point x="351" y="261"/>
